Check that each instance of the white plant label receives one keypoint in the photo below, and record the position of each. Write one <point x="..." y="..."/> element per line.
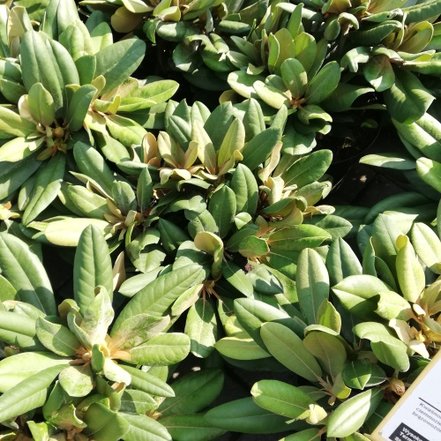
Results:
<point x="417" y="415"/>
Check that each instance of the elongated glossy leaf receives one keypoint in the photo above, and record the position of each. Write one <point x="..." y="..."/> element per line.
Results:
<point x="190" y="428"/>
<point x="427" y="245"/>
<point x="118" y="61"/>
<point x="105" y="424"/>
<point x="252" y="313"/>
<point x="407" y="100"/>
<point x="41" y="104"/>
<point x="144" y="428"/>
<point x="245" y="187"/>
<point x="240" y="349"/>
<point x="294" y="76"/>
<point x="355" y="291"/>
<point x="25" y="272"/>
<point x="323" y="84"/>
<point x="222" y="206"/>
<point x="259" y="148"/>
<point x="298" y="237"/>
<point x="46" y="187"/>
<point x="17" y="368"/>
<point x="157" y="297"/>
<point x="308" y="168"/>
<point x="28" y="394"/>
<point x="245" y="416"/>
<point x="287" y="348"/>
<point x="359" y="374"/>
<point x="410" y="273"/>
<point x="328" y="349"/>
<point x="92" y="267"/>
<point x="93" y="165"/>
<point x="161" y="350"/>
<point x="148" y="382"/>
<point x="56" y="337"/>
<point x="193" y="392"/>
<point x="77" y="381"/>
<point x="351" y="414"/>
<point x="78" y="106"/>
<point x="341" y="261"/>
<point x="312" y="284"/>
<point x="12" y="124"/>
<point x="430" y="172"/>
<point x="201" y="327"/>
<point x="67" y="231"/>
<point x="281" y="398"/>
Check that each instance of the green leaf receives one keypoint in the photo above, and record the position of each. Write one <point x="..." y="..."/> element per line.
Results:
<point x="78" y="105"/>
<point x="222" y="206"/>
<point x="287" y="348"/>
<point x="201" y="327"/>
<point x="410" y="273"/>
<point x="12" y="124"/>
<point x="388" y="349"/>
<point x="239" y="348"/>
<point x="427" y="245"/>
<point x="18" y="330"/>
<point x="245" y="416"/>
<point x="407" y="100"/>
<point x="379" y="73"/>
<point x="104" y="424"/>
<point x="118" y="61"/>
<point x="90" y="163"/>
<point x="281" y="398"/>
<point x="328" y="349"/>
<point x="28" y="394"/>
<point x="298" y="237"/>
<point x="157" y="297"/>
<point x="245" y="187"/>
<point x="46" y="187"/>
<point x="308" y="168"/>
<point x="150" y="94"/>
<point x="341" y="261"/>
<point x="41" y="104"/>
<point x="389" y="160"/>
<point x="259" y="148"/>
<point x="323" y="84"/>
<point x="190" y="428"/>
<point x="138" y="329"/>
<point x="66" y="231"/>
<point x="97" y="317"/>
<point x="360" y="374"/>
<point x="350" y="415"/>
<point x="16" y="368"/>
<point x="193" y="392"/>
<point x="76" y="381"/>
<point x="22" y="268"/>
<point x="56" y="337"/>
<point x="161" y="350"/>
<point x="252" y="314"/>
<point x="430" y="172"/>
<point x="148" y="382"/>
<point x="144" y="428"/>
<point x="312" y="284"/>
<point x="294" y="76"/>
<point x="92" y="267"/>
<point x="356" y="291"/>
